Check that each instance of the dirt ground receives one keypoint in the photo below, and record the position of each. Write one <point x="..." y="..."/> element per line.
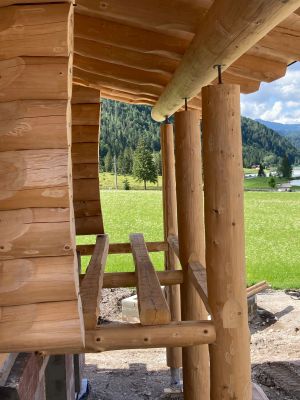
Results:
<point x="142" y="374"/>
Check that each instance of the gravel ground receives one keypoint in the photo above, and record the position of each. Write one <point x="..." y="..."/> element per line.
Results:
<point x="142" y="374"/>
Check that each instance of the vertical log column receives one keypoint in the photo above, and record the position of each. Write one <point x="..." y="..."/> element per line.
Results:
<point x="225" y="256"/>
<point x="191" y="244"/>
<point x="174" y="355"/>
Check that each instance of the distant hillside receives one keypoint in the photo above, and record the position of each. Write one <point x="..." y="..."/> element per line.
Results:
<point x="262" y="144"/>
<point x="291" y="131"/>
<point x="122" y="125"/>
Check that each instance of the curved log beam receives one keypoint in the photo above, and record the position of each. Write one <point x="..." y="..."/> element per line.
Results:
<point x="243" y="24"/>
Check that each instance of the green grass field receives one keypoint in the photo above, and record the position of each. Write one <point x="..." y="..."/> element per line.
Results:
<point x="272" y="232"/>
<point x="107" y="181"/>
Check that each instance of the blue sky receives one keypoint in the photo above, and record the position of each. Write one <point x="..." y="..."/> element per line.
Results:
<point x="278" y="101"/>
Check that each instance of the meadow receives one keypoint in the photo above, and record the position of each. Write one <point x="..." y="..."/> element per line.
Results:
<point x="272" y="232"/>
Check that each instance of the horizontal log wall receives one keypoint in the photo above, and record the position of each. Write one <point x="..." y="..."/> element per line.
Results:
<point x="39" y="301"/>
<point x="85" y="159"/>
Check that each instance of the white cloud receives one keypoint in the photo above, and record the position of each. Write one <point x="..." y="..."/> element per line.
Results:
<point x="278" y="101"/>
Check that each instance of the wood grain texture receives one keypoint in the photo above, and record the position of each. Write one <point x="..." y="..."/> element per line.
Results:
<point x="85" y="95"/>
<point x="91" y="285"/>
<point x="225" y="247"/>
<point x="41" y="326"/>
<point x="188" y="165"/>
<point x="26" y="125"/>
<point x="197" y="274"/>
<point x="153" y="308"/>
<point x="85" y="153"/>
<point x="41" y="171"/>
<point x="35" y="78"/>
<point x="85" y="134"/>
<point x="86" y="189"/>
<point x="39" y="30"/>
<point x="36" y="280"/>
<point x="36" y="232"/>
<point x="86" y="171"/>
<point x="212" y="45"/>
<point x="174" y="355"/>
<point x="132" y="336"/>
<point x="85" y="114"/>
<point x="122" y="248"/>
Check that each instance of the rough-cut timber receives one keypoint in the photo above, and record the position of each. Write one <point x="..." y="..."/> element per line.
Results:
<point x="37" y="171"/>
<point x="39" y="290"/>
<point x="41" y="326"/>
<point x="91" y="285"/>
<point x="174" y="355"/>
<point x="85" y="160"/>
<point x="225" y="246"/>
<point x="35" y="78"/>
<point x="191" y="244"/>
<point x="38" y="30"/>
<point x="197" y="274"/>
<point x="153" y="308"/>
<point x="133" y="336"/>
<point x="34" y="280"/>
<point x="121" y="248"/>
<point x="25" y="125"/>
<point x="35" y="232"/>
<point x="243" y="22"/>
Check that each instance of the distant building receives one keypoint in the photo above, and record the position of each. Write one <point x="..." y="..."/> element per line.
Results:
<point x="285" y="187"/>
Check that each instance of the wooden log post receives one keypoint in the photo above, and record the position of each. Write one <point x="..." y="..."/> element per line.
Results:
<point x="174" y="355"/>
<point x="191" y="245"/>
<point x="225" y="254"/>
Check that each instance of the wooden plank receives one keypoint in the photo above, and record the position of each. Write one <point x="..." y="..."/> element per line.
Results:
<point x="85" y="171"/>
<point x="41" y="326"/>
<point x="26" y="170"/>
<point x="122" y="56"/>
<point x="35" y="78"/>
<point x="130" y="74"/>
<point x="35" y="30"/>
<point x="91" y="285"/>
<point x="153" y="308"/>
<point x="25" y="125"/>
<point x="85" y="133"/>
<point x="35" y="280"/>
<point x="173" y="242"/>
<point x="85" y="114"/>
<point x="122" y="248"/>
<point x="85" y="95"/>
<point x="128" y="279"/>
<point x="37" y="232"/>
<point x="24" y="378"/>
<point x="5" y="3"/>
<point x="212" y="46"/>
<point x="91" y="225"/>
<point x="85" y="153"/>
<point x="167" y="16"/>
<point x="86" y="189"/>
<point x="197" y="274"/>
<point x="258" y="287"/>
<point x="87" y="208"/>
<point x="136" y="336"/>
<point x="115" y="83"/>
<point x="128" y="37"/>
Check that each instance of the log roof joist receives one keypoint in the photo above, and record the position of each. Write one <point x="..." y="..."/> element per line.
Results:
<point x="132" y="50"/>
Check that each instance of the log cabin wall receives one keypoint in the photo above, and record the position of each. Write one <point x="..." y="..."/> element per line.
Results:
<point x="39" y="301"/>
<point x="85" y="158"/>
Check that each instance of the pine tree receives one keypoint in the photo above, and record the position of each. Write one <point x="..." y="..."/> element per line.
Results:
<point x="127" y="161"/>
<point x="261" y="173"/>
<point x="285" y="169"/>
<point x="144" y="168"/>
<point x="108" y="162"/>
